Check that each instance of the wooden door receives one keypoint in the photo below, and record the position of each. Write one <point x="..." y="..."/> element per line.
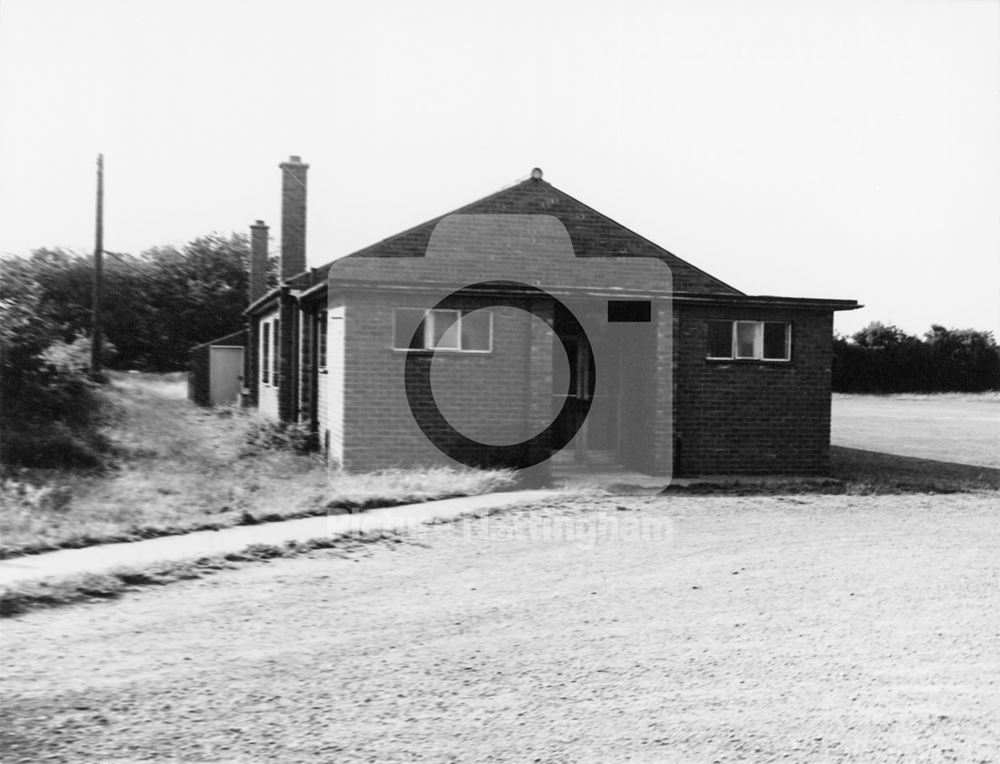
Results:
<point x="225" y="374"/>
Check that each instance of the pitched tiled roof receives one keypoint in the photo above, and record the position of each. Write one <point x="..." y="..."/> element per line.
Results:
<point x="592" y="235"/>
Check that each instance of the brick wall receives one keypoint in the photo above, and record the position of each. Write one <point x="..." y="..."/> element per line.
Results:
<point x="479" y="392"/>
<point x="251" y="362"/>
<point x="288" y="360"/>
<point x="735" y="417"/>
<point x="728" y="417"/>
<point x="307" y="371"/>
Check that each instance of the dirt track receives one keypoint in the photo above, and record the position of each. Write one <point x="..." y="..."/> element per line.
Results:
<point x="725" y="628"/>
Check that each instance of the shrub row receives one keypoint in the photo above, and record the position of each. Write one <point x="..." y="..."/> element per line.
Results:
<point x="884" y="359"/>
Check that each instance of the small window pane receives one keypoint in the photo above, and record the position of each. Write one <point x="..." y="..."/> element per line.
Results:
<point x="776" y="340"/>
<point x="746" y="336"/>
<point x="408" y="329"/>
<point x="444" y="328"/>
<point x="321" y="339"/>
<point x="265" y="352"/>
<point x="476" y="330"/>
<point x="720" y="339"/>
<point x="276" y="340"/>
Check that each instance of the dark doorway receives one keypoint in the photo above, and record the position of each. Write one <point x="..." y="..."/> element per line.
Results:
<point x="610" y="390"/>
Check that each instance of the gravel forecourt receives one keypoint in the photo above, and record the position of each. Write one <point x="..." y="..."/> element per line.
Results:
<point x="673" y="628"/>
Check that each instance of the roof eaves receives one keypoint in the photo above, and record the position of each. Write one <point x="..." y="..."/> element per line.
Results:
<point x="218" y="340"/>
<point x="257" y="305"/>
<point x="768" y="301"/>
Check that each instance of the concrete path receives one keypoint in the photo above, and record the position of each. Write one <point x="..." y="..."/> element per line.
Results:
<point x="191" y="546"/>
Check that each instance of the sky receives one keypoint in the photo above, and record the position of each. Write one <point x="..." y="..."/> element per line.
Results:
<point x="835" y="149"/>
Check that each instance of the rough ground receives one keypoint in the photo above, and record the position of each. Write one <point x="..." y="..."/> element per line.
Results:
<point x="711" y="628"/>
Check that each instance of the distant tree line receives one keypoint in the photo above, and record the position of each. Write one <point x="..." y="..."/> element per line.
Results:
<point x="156" y="306"/>
<point x="882" y="358"/>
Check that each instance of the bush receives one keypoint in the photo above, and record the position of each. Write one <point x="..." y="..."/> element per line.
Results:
<point x="280" y="436"/>
<point x="884" y="359"/>
<point x="157" y="305"/>
<point x="49" y="409"/>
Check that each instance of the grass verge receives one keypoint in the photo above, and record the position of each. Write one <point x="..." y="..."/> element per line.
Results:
<point x="17" y="599"/>
<point x="180" y="468"/>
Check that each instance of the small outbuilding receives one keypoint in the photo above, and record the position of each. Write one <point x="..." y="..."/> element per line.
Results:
<point x="217" y="370"/>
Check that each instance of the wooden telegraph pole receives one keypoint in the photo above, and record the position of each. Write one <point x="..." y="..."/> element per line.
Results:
<point x="95" y="329"/>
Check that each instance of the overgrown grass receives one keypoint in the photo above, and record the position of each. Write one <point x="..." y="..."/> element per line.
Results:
<point x="180" y="468"/>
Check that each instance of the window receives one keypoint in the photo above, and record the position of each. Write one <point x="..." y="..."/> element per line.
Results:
<point x="777" y="340"/>
<point x="457" y="330"/>
<point x="275" y="339"/>
<point x="265" y="352"/>
<point x="270" y="337"/>
<point x="476" y="331"/>
<point x="720" y="339"/>
<point x="321" y="324"/>
<point x="750" y="340"/>
<point x="441" y="330"/>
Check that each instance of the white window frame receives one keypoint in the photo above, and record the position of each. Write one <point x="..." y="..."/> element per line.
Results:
<point x="428" y="321"/>
<point x="275" y="352"/>
<point x="758" y="349"/>
<point x="265" y="353"/>
<point x="269" y="372"/>
<point x="322" y="331"/>
<point x="757" y="353"/>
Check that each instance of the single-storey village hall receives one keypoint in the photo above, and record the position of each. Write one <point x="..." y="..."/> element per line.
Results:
<point x="527" y="325"/>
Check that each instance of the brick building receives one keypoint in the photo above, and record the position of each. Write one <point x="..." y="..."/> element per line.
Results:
<point x="527" y="325"/>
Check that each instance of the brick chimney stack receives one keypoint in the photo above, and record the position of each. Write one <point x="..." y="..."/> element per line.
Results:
<point x="293" y="217"/>
<point x="258" y="261"/>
